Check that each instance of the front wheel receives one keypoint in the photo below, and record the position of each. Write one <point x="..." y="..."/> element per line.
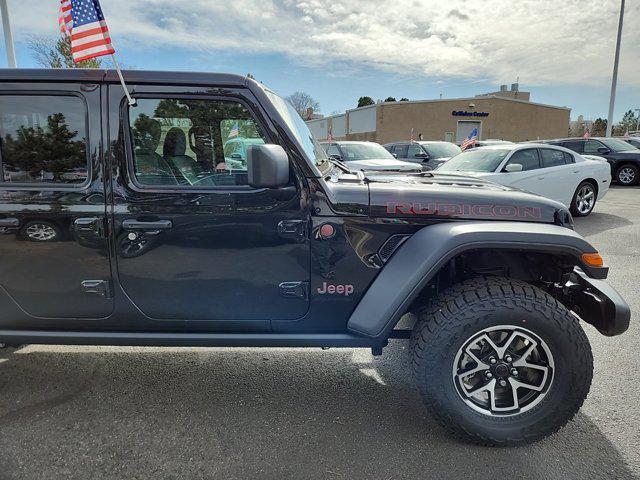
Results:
<point x="500" y="362"/>
<point x="584" y="199"/>
<point x="628" y="175"/>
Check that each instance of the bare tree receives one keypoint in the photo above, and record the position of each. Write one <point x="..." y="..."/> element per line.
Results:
<point x="52" y="52"/>
<point x="302" y="101"/>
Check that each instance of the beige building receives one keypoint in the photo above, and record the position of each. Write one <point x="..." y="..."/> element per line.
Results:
<point x="505" y="114"/>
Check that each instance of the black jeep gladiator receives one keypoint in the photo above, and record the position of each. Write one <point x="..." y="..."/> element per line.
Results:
<point x="205" y="214"/>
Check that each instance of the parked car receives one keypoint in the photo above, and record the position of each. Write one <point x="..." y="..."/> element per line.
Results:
<point x="623" y="157"/>
<point x="366" y="156"/>
<point x="429" y="154"/>
<point x="553" y="172"/>
<point x="173" y="251"/>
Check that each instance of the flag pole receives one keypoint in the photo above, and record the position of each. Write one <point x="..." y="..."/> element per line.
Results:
<point x="131" y="101"/>
<point x="614" y="79"/>
<point x="8" y="37"/>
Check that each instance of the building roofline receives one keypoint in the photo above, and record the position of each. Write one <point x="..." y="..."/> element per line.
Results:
<point x="460" y="99"/>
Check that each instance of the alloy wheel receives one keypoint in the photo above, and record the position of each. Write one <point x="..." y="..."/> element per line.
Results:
<point x="40" y="232"/>
<point x="585" y="199"/>
<point x="504" y="370"/>
<point x="626" y="175"/>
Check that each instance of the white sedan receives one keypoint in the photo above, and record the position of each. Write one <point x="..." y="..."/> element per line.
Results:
<point x="547" y="170"/>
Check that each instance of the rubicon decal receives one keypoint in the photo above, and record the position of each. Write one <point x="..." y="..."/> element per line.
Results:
<point x="464" y="210"/>
<point x="335" y="289"/>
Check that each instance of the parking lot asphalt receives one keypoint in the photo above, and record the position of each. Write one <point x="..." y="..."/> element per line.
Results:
<point x="151" y="413"/>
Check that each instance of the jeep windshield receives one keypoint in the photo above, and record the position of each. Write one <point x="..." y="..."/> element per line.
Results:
<point x="476" y="160"/>
<point x="302" y="133"/>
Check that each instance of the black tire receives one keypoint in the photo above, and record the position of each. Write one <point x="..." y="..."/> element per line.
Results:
<point x="468" y="308"/>
<point x="41" y="225"/>
<point x="580" y="206"/>
<point x="628" y="175"/>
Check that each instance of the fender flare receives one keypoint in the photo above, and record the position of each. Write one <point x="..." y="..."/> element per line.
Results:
<point x="419" y="259"/>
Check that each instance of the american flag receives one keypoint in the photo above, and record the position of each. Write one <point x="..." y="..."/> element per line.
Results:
<point x="586" y="134"/>
<point x="84" y="22"/>
<point x="234" y="132"/>
<point x="470" y="140"/>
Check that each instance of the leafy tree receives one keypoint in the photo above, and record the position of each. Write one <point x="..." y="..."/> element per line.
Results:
<point x="365" y="101"/>
<point x="302" y="101"/>
<point x="390" y="99"/>
<point x="599" y="127"/>
<point x="51" y="52"/>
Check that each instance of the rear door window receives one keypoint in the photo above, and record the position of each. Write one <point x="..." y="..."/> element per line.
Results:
<point x="575" y="146"/>
<point x="413" y="150"/>
<point x="43" y="140"/>
<point x="552" y="158"/>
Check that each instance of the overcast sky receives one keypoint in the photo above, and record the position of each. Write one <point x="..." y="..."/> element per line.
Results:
<point x="339" y="50"/>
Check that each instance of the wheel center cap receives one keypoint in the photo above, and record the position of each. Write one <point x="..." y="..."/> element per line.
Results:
<point x="502" y="370"/>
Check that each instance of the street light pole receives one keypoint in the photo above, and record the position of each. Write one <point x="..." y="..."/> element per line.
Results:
<point x="614" y="80"/>
<point x="638" y="121"/>
<point x="8" y="37"/>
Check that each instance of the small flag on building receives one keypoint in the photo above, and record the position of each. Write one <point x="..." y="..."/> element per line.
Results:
<point x="234" y="132"/>
<point x="470" y="140"/>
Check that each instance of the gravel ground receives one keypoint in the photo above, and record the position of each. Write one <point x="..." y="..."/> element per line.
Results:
<point x="129" y="413"/>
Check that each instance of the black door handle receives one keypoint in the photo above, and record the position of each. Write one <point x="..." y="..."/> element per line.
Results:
<point x="9" y="222"/>
<point x="131" y="224"/>
<point x="89" y="224"/>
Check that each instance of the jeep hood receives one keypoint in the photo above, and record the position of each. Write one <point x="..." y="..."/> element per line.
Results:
<point x="439" y="195"/>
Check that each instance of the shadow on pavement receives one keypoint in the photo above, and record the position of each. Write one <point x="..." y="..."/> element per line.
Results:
<point x="599" y="222"/>
<point x="250" y="413"/>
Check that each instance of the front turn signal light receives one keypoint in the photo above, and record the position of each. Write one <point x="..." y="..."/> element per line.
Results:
<point x="592" y="259"/>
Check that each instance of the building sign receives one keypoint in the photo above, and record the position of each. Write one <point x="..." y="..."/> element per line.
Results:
<point x="464" y="113"/>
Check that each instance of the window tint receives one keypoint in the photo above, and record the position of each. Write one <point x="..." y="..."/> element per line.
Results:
<point x="575" y="146"/>
<point x="552" y="158"/>
<point x="401" y="151"/>
<point x="591" y="147"/>
<point x="527" y="158"/>
<point x="191" y="143"/>
<point x="414" y="149"/>
<point x="568" y="158"/>
<point x="43" y="139"/>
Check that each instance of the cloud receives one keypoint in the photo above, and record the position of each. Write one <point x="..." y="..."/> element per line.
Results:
<point x="544" y="42"/>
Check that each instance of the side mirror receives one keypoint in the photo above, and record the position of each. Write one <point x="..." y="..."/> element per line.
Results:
<point x="395" y="155"/>
<point x="335" y="157"/>
<point x="513" y="167"/>
<point x="604" y="150"/>
<point x="267" y="166"/>
<point x="423" y="155"/>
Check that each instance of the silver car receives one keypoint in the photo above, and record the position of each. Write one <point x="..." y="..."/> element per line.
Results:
<point x="366" y="156"/>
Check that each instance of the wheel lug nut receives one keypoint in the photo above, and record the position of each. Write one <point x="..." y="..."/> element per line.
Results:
<point x="492" y="361"/>
<point x="514" y="371"/>
<point x="488" y="375"/>
<point x="503" y="383"/>
<point x="508" y="358"/>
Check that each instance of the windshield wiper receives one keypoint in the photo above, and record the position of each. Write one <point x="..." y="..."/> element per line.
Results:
<point x="340" y="164"/>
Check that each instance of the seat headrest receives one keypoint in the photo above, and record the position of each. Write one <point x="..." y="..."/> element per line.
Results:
<point x="175" y="143"/>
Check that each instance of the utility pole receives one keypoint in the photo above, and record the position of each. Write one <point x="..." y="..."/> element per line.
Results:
<point x="614" y="80"/>
<point x="638" y="121"/>
<point x="8" y="37"/>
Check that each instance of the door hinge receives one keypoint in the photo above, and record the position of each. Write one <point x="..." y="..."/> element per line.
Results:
<point x="295" y="290"/>
<point x="292" y="229"/>
<point x="97" y="287"/>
